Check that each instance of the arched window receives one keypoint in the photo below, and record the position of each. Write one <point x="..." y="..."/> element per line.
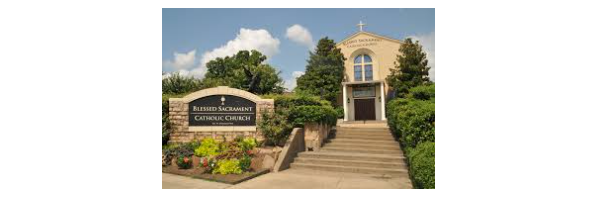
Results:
<point x="362" y="66"/>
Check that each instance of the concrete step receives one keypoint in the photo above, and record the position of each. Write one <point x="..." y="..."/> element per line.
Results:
<point x="362" y="129"/>
<point x="357" y="163"/>
<point x="354" y="156"/>
<point x="379" y="127"/>
<point x="396" y="152"/>
<point x="362" y="141"/>
<point x="364" y="134"/>
<point x="363" y="137"/>
<point x="374" y="130"/>
<point x="361" y="124"/>
<point x="401" y="172"/>
<point x="363" y="145"/>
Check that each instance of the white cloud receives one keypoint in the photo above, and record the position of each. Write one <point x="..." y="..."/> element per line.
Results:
<point x="247" y="39"/>
<point x="181" y="60"/>
<point x="301" y="35"/>
<point x="290" y="84"/>
<point x="427" y="42"/>
<point x="297" y="74"/>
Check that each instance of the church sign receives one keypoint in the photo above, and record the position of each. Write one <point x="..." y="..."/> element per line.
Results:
<point x="222" y="110"/>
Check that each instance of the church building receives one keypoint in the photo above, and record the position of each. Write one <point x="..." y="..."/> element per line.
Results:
<point x="369" y="60"/>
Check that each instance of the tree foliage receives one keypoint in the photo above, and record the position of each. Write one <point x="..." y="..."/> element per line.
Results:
<point x="245" y="70"/>
<point x="176" y="83"/>
<point x="411" y="68"/>
<point x="324" y="72"/>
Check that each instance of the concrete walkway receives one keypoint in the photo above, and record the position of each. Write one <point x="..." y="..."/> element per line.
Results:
<point x="313" y="179"/>
<point x="170" y="181"/>
<point x="294" y="179"/>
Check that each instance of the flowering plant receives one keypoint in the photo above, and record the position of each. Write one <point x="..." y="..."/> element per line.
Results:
<point x="184" y="162"/>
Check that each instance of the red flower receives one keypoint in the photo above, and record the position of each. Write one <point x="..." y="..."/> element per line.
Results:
<point x="248" y="152"/>
<point x="185" y="159"/>
<point x="205" y="163"/>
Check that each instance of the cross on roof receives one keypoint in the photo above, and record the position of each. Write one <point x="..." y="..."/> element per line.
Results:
<point x="361" y="26"/>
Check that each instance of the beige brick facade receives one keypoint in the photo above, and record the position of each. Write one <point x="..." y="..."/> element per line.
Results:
<point x="383" y="52"/>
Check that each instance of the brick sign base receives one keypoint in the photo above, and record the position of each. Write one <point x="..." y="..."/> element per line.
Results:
<point x="183" y="132"/>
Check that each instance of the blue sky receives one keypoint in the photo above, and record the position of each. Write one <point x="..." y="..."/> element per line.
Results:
<point x="198" y="35"/>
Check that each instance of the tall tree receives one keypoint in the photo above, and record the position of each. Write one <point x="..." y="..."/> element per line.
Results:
<point x="245" y="70"/>
<point x="324" y="72"/>
<point x="411" y="68"/>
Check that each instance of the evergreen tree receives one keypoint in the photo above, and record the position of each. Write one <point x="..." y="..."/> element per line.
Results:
<point x="324" y="72"/>
<point x="411" y="68"/>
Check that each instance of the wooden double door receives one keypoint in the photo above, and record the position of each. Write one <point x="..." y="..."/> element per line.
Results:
<point x="365" y="109"/>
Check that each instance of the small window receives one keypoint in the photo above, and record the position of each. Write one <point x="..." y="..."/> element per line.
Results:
<point x="367" y="59"/>
<point x="358" y="59"/>
<point x="358" y="76"/>
<point x="369" y="74"/>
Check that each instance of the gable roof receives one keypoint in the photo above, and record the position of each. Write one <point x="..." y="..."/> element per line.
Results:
<point x="369" y="34"/>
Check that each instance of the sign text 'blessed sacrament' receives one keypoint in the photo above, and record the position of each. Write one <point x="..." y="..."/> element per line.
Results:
<point x="222" y="110"/>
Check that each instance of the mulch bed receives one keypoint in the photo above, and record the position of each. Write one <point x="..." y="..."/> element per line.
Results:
<point x="198" y="172"/>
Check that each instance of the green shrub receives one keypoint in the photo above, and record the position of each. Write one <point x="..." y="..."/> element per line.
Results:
<point x="412" y="120"/>
<point x="228" y="166"/>
<point x="230" y="150"/>
<point x="168" y="151"/>
<point x="421" y="165"/>
<point x="319" y="114"/>
<point x="176" y="83"/>
<point x="208" y="148"/>
<point x="245" y="163"/>
<point x="290" y="101"/>
<point x="247" y="143"/>
<point x="181" y="149"/>
<point x="340" y="113"/>
<point x="293" y="111"/>
<point x="275" y="127"/>
<point x="423" y="92"/>
<point x="302" y="108"/>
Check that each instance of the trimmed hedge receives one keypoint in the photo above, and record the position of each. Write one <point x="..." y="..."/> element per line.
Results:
<point x="412" y="119"/>
<point x="320" y="114"/>
<point x="422" y="166"/>
<point x="290" y="101"/>
<point x="424" y="92"/>
<point x="294" y="111"/>
<point x="299" y="109"/>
